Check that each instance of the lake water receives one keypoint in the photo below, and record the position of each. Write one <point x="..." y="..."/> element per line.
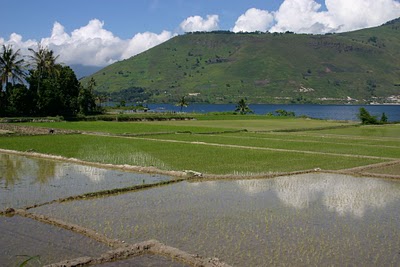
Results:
<point x="330" y="112"/>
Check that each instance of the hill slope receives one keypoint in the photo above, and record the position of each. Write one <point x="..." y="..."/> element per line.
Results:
<point x="222" y="67"/>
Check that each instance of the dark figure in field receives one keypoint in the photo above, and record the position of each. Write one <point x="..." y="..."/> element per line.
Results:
<point x="51" y="131"/>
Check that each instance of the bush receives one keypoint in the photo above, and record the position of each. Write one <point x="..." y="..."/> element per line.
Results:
<point x="384" y="118"/>
<point x="284" y="113"/>
<point x="367" y="118"/>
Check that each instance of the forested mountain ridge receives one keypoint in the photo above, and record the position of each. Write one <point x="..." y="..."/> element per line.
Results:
<point x="221" y="67"/>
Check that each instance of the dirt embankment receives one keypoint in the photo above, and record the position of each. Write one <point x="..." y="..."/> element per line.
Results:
<point x="153" y="247"/>
<point x="122" y="250"/>
<point x="16" y="129"/>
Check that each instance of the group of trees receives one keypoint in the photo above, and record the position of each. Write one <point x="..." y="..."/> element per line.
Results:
<point x="367" y="118"/>
<point x="40" y="86"/>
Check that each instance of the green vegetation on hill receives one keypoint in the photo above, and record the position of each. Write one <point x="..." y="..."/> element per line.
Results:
<point x="223" y="67"/>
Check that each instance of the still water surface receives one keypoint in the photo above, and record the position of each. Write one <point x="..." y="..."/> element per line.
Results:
<point x="331" y="112"/>
<point x="304" y="220"/>
<point x="27" y="181"/>
<point x="23" y="236"/>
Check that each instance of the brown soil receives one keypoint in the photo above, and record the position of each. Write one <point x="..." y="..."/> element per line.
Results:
<point x="16" y="129"/>
<point x="367" y="171"/>
<point x="151" y="247"/>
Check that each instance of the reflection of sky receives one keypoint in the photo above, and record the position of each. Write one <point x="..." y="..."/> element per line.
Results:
<point x="26" y="181"/>
<point x="94" y="174"/>
<point x="339" y="193"/>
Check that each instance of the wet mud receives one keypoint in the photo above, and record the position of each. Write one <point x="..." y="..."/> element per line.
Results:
<point x="148" y="247"/>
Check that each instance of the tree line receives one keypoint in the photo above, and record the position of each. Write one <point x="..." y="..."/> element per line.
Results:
<point x="39" y="86"/>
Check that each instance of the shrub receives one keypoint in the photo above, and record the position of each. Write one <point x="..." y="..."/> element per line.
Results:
<point x="384" y="118"/>
<point x="367" y="118"/>
<point x="284" y="113"/>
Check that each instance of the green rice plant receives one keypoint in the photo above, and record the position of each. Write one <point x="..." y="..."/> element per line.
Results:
<point x="256" y="124"/>
<point x="29" y="261"/>
<point x="321" y="136"/>
<point x="368" y="131"/>
<point x="244" y="153"/>
<point x="128" y="127"/>
<point x="179" y="155"/>
<point x="291" y="145"/>
<point x="203" y="123"/>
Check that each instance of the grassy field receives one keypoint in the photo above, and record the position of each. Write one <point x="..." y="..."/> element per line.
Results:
<point x="196" y="145"/>
<point x="124" y="127"/>
<point x="202" y="124"/>
<point x="199" y="145"/>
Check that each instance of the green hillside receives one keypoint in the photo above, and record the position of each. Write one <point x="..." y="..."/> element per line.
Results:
<point x="222" y="67"/>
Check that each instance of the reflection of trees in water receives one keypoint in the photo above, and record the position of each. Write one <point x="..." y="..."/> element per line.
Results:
<point x="14" y="168"/>
<point x="10" y="169"/>
<point x="45" y="171"/>
<point x="339" y="193"/>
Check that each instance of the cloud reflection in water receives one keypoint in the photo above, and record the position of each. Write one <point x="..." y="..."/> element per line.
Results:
<point x="339" y="193"/>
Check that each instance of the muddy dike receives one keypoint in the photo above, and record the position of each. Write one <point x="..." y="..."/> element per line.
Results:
<point x="101" y="194"/>
<point x="122" y="250"/>
<point x="152" y="247"/>
<point x="367" y="171"/>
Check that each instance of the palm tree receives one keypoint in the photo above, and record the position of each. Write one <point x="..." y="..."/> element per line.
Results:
<point x="44" y="61"/>
<point x="11" y="66"/>
<point x="242" y="107"/>
<point x="182" y="103"/>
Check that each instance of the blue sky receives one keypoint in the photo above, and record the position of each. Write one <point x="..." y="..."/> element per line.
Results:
<point x="100" y="32"/>
<point x="125" y="18"/>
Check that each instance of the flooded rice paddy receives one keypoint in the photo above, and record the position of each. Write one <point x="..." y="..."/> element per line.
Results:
<point x="21" y="237"/>
<point x="318" y="219"/>
<point x="302" y="220"/>
<point x="28" y="181"/>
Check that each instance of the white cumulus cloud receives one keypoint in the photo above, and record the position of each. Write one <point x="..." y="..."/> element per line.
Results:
<point x="198" y="24"/>
<point x="143" y="41"/>
<point x="254" y="20"/>
<point x="357" y="14"/>
<point x="91" y="44"/>
<point x="306" y="16"/>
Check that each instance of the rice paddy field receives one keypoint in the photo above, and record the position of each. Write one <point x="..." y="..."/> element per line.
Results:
<point x="251" y="191"/>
